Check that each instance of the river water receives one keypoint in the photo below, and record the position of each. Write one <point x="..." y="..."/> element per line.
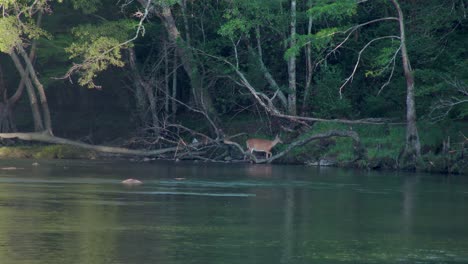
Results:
<point x="79" y="212"/>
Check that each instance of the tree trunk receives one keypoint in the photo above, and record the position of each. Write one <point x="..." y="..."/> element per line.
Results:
<point x="32" y="55"/>
<point x="148" y="94"/>
<point x="309" y="68"/>
<point x="37" y="118"/>
<point x="40" y="89"/>
<point x="6" y="119"/>
<point x="266" y="73"/>
<point x="139" y="94"/>
<point x="47" y="138"/>
<point x="292" y="64"/>
<point x="174" y="87"/>
<point x="412" y="151"/>
<point x="7" y="124"/>
<point x="186" y="23"/>
<point x="166" y="79"/>
<point x="6" y="108"/>
<point x="183" y="51"/>
<point x="202" y="98"/>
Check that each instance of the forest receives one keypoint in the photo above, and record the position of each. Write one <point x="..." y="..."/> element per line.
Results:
<point x="375" y="84"/>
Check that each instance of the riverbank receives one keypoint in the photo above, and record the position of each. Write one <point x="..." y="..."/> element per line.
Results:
<point x="443" y="149"/>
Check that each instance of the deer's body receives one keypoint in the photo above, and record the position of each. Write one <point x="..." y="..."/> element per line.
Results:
<point x="262" y="145"/>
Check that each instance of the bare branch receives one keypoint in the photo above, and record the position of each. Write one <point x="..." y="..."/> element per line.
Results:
<point x="350" y="78"/>
<point x="442" y="107"/>
<point x="266" y="102"/>
<point x="80" y="66"/>
<point x="331" y="133"/>
<point x="392" y="61"/>
<point x="212" y="123"/>
<point x="350" y="31"/>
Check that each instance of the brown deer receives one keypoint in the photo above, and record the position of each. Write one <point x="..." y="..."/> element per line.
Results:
<point x="262" y="145"/>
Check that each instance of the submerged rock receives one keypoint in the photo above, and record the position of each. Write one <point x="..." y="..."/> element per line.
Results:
<point x="132" y="182"/>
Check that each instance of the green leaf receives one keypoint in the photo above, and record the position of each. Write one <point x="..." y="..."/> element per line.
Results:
<point x="334" y="10"/>
<point x="11" y="34"/>
<point x="98" y="47"/>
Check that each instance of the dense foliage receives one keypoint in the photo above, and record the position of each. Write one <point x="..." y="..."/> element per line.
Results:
<point x="191" y="55"/>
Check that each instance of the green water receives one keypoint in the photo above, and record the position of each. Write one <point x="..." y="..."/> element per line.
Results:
<point x="79" y="212"/>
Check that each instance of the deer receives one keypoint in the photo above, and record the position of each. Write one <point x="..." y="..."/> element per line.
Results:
<point x="262" y="145"/>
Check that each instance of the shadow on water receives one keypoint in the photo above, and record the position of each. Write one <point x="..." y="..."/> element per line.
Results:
<point x="79" y="212"/>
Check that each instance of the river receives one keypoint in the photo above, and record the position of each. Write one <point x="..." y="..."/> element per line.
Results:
<point x="79" y="212"/>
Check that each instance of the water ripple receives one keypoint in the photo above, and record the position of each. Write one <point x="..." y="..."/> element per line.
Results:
<point x="198" y="194"/>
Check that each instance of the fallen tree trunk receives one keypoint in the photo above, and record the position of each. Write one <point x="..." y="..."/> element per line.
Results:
<point x="47" y="138"/>
<point x="359" y="150"/>
<point x="184" y="150"/>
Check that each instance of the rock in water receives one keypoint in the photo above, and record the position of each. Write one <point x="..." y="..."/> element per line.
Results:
<point x="132" y="182"/>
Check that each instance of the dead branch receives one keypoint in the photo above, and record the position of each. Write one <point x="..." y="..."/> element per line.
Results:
<point x="266" y="73"/>
<point x="236" y="135"/>
<point x="349" y="32"/>
<point x="392" y="61"/>
<point x="331" y="133"/>
<point x="359" y="149"/>
<point x="267" y="103"/>
<point x="47" y="138"/>
<point x="350" y="78"/>
<point x="210" y="120"/>
<point x="191" y="131"/>
<point x="182" y="150"/>
<point x="245" y="153"/>
<point x="442" y="107"/>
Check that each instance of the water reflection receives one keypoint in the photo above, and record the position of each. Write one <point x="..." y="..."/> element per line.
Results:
<point x="228" y="214"/>
<point x="409" y="197"/>
<point x="289" y="214"/>
<point x="263" y="171"/>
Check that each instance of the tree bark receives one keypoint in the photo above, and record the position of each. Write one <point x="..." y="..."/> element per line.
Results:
<point x="309" y="68"/>
<point x="292" y="110"/>
<point x="6" y="119"/>
<point x="141" y="100"/>
<point x="166" y="79"/>
<point x="186" y="23"/>
<point x="412" y="151"/>
<point x="37" y="118"/>
<point x="202" y="98"/>
<point x="7" y="123"/>
<point x="266" y="73"/>
<point x="174" y="87"/>
<point x="47" y="138"/>
<point x="6" y="115"/>
<point x="148" y="91"/>
<point x="40" y="89"/>
<point x="32" y="55"/>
